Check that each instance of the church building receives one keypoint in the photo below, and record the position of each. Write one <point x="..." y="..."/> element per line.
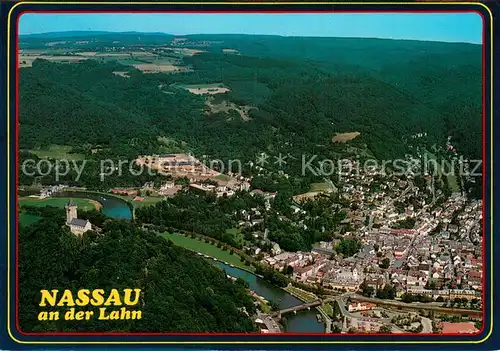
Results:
<point x="77" y="226"/>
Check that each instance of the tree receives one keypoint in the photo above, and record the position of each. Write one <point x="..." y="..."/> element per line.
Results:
<point x="431" y="284"/>
<point x="216" y="303"/>
<point x="387" y="292"/>
<point x="365" y="289"/>
<point x="386" y="329"/>
<point x="274" y="306"/>
<point x="348" y="246"/>
<point x="336" y="328"/>
<point x="385" y="263"/>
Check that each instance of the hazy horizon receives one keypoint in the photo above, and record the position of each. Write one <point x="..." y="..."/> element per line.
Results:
<point x="256" y="34"/>
<point x="446" y="28"/>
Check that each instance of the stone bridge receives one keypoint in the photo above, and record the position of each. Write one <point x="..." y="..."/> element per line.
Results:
<point x="297" y="308"/>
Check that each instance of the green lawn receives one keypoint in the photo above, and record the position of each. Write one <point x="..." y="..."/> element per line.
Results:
<point x="26" y="219"/>
<point x="301" y="294"/>
<point x="83" y="204"/>
<point x="148" y="200"/>
<point x="328" y="309"/>
<point x="58" y="152"/>
<point x="206" y="249"/>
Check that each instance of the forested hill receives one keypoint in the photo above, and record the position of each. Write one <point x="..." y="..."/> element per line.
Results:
<point x="181" y="292"/>
<point x="302" y="91"/>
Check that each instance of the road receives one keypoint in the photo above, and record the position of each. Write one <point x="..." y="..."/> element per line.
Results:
<point x="415" y="305"/>
<point x="270" y="323"/>
<point x="427" y="324"/>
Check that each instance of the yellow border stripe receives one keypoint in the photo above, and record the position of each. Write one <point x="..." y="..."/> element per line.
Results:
<point x="245" y="342"/>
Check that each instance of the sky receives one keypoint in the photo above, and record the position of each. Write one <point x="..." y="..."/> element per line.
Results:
<point x="446" y="27"/>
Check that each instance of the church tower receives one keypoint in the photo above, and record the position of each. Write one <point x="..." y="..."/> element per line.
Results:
<point x="71" y="211"/>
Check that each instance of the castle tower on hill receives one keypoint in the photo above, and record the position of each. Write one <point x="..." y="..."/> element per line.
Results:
<point x="77" y="226"/>
<point x="71" y="211"/>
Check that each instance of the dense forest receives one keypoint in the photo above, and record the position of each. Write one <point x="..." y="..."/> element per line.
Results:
<point x="180" y="292"/>
<point x="213" y="217"/>
<point x="384" y="89"/>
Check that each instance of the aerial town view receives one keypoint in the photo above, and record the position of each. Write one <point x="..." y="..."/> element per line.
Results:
<point x="296" y="178"/>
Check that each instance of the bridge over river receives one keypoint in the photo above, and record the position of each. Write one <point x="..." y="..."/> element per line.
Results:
<point x="392" y="303"/>
<point x="297" y="308"/>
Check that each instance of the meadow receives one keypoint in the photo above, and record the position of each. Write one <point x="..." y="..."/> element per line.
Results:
<point x="83" y="204"/>
<point x="207" y="249"/>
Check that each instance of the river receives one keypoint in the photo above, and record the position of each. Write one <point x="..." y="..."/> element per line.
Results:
<point x="302" y="322"/>
<point x="112" y="206"/>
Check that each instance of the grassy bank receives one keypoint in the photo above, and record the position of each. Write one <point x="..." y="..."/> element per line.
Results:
<point x="303" y="295"/>
<point x="83" y="204"/>
<point x="207" y="249"/>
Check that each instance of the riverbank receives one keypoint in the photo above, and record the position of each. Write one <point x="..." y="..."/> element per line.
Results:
<point x="126" y="199"/>
<point x="209" y="249"/>
<point x="301" y="322"/>
<point x="112" y="206"/>
<point x="306" y="296"/>
<point x="96" y="204"/>
<point x="60" y="202"/>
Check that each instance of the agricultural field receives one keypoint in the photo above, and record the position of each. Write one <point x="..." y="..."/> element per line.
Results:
<point x="27" y="60"/>
<point x="201" y="89"/>
<point x="158" y="68"/>
<point x="206" y="249"/>
<point x="345" y="137"/>
<point x="147" y="62"/>
<point x="57" y="152"/>
<point x="83" y="204"/>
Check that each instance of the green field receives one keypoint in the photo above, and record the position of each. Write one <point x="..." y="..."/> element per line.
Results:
<point x="328" y="309"/>
<point x="83" y="204"/>
<point x="58" y="152"/>
<point x="206" y="249"/>
<point x="26" y="219"/>
<point x="148" y="200"/>
<point x="301" y="294"/>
